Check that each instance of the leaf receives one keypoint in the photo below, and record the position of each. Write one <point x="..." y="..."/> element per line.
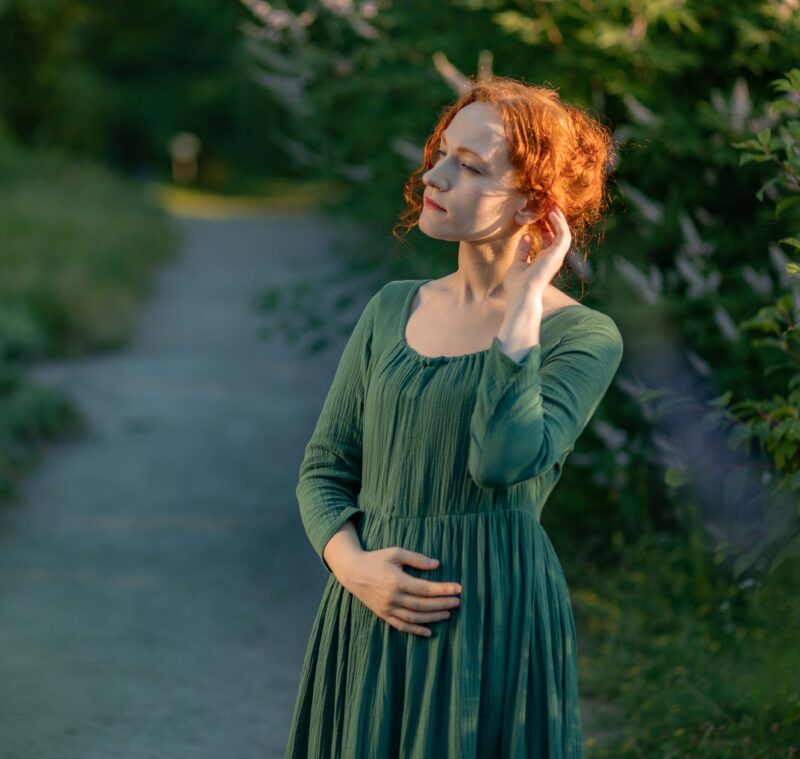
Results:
<point x="768" y="325"/>
<point x="785" y="203"/>
<point x="770" y="370"/>
<point x="746" y="144"/>
<point x="739" y="436"/>
<point x="760" y="192"/>
<point x="722" y="400"/>
<point x="768" y="342"/>
<point x="747" y="157"/>
<point x="790" y="551"/>
<point x="747" y="559"/>
<point x="787" y="83"/>
<point x="674" y="477"/>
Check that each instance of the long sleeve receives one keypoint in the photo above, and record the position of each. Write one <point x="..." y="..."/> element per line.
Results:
<point x="528" y="414"/>
<point x="330" y="473"/>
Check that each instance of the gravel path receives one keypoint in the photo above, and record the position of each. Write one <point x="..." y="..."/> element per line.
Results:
<point x="156" y="588"/>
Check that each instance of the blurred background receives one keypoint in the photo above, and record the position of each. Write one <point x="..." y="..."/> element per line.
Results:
<point x="196" y="199"/>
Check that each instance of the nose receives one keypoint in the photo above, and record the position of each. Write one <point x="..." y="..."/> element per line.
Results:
<point x="436" y="178"/>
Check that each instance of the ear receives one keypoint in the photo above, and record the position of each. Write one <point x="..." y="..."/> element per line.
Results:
<point x="529" y="213"/>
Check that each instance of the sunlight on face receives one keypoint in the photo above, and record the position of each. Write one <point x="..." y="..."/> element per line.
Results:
<point x="476" y="189"/>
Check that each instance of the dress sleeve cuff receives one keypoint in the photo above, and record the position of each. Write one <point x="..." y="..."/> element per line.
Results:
<point x="505" y="379"/>
<point x="507" y="417"/>
<point x="532" y="356"/>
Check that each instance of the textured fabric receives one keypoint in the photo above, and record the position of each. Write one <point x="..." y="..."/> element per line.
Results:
<point x="454" y="457"/>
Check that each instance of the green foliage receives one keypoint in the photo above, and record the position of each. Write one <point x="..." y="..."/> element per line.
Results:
<point x="79" y="248"/>
<point x="115" y="81"/>
<point x="29" y="416"/>
<point x="80" y="245"/>
<point x="774" y="422"/>
<point x="697" y="665"/>
<point x="666" y="486"/>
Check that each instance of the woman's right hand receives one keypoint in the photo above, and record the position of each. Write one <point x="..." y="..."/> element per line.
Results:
<point x="377" y="579"/>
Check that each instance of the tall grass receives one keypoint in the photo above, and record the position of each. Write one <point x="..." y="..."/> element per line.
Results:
<point x="78" y="245"/>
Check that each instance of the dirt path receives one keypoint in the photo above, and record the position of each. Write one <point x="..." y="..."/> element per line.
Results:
<point x="156" y="588"/>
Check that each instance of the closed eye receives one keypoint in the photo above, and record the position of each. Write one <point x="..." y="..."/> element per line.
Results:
<point x="465" y="165"/>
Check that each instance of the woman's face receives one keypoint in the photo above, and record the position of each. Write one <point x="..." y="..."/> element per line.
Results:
<point x="477" y="192"/>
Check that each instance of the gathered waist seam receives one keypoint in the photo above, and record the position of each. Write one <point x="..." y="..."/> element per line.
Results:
<point x="379" y="514"/>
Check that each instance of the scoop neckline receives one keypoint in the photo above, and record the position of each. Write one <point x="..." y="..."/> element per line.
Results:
<point x="405" y="315"/>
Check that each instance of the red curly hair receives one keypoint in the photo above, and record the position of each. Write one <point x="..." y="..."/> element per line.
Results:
<point x="562" y="155"/>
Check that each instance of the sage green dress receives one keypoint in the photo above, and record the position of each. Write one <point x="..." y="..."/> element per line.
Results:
<point x="454" y="457"/>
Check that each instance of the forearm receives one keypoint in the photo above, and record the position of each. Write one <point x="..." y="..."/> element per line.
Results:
<point x="519" y="331"/>
<point x="340" y="550"/>
<point x="529" y="411"/>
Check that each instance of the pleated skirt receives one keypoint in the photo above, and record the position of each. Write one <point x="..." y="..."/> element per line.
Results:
<point x="498" y="679"/>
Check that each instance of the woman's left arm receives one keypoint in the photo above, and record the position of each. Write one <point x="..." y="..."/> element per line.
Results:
<point x="528" y="413"/>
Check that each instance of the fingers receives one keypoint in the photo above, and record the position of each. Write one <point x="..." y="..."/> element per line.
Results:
<point x="544" y="221"/>
<point x="409" y="621"/>
<point x="404" y="626"/>
<point x="417" y="585"/>
<point x="558" y="222"/>
<point x="556" y="234"/>
<point x="552" y="224"/>
<point x="409" y="611"/>
<point x="414" y="559"/>
<point x="416" y="617"/>
<point x="418" y="603"/>
<point x="416" y="600"/>
<point x="399" y="621"/>
<point x="548" y="235"/>
<point x="420" y="587"/>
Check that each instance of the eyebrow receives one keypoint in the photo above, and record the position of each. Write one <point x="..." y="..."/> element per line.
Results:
<point x="466" y="150"/>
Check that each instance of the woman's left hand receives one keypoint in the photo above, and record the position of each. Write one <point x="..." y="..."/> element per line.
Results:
<point x="526" y="281"/>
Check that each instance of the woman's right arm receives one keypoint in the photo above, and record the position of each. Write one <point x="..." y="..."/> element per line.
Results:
<point x="330" y="473"/>
<point x="342" y="550"/>
<point x="329" y="483"/>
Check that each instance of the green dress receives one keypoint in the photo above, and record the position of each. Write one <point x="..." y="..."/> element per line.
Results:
<point x="454" y="457"/>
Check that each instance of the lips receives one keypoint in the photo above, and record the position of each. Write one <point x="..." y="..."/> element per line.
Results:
<point x="432" y="204"/>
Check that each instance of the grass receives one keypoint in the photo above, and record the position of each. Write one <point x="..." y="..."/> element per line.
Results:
<point x="285" y="196"/>
<point x="695" y="664"/>
<point x="79" y="246"/>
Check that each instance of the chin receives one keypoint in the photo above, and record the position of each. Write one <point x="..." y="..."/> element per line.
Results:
<point x="439" y="236"/>
<point x="432" y="232"/>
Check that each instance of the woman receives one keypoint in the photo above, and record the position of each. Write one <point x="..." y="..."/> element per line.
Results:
<point x="445" y="628"/>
